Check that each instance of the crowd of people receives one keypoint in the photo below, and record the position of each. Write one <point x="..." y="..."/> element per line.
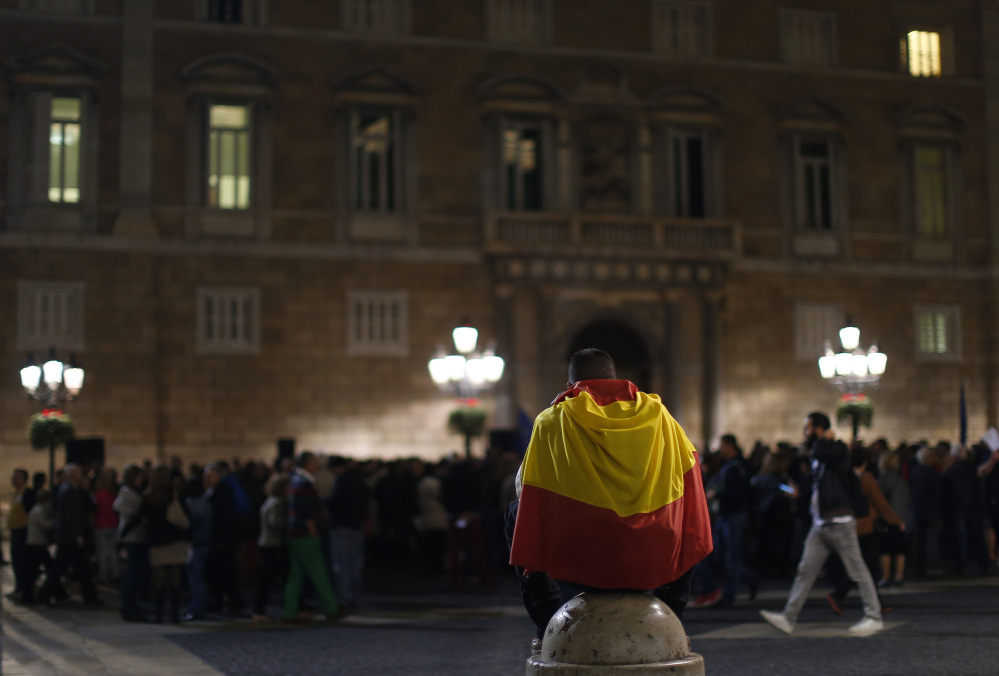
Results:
<point x="921" y="510"/>
<point x="185" y="543"/>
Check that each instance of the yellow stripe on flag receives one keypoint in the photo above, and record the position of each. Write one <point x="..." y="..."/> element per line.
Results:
<point x="628" y="456"/>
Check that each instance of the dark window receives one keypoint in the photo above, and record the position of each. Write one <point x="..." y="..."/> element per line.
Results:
<point x="225" y="11"/>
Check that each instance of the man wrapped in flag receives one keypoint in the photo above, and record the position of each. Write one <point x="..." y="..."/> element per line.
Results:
<point x="610" y="495"/>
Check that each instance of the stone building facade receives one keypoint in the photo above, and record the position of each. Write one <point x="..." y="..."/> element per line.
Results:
<point x="253" y="220"/>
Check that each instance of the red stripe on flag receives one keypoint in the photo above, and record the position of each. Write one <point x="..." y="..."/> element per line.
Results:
<point x="578" y="542"/>
<point x="604" y="392"/>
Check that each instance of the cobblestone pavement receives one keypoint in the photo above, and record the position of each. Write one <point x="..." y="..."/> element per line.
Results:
<point x="414" y="628"/>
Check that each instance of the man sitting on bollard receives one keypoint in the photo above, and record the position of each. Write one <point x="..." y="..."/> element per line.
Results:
<point x="611" y="496"/>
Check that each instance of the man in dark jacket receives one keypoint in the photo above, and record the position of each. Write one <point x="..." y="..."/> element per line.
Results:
<point x="833" y="530"/>
<point x="926" y="487"/>
<point x="348" y="507"/>
<point x="73" y="508"/>
<point x="222" y="566"/>
<point x="733" y="514"/>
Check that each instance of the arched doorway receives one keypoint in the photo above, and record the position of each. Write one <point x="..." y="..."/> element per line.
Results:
<point x="623" y="343"/>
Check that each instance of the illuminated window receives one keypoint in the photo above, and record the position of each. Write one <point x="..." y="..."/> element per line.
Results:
<point x="681" y="28"/>
<point x="64" y="151"/>
<point x="375" y="142"/>
<point x="377" y="323"/>
<point x="522" y="166"/>
<point x="921" y="52"/>
<point x="228" y="320"/>
<point x="930" y="190"/>
<point x="518" y="21"/>
<point x="387" y="17"/>
<point x="938" y="332"/>
<point x="50" y="314"/>
<point x="815" y="184"/>
<point x="808" y="38"/>
<point x="229" y="157"/>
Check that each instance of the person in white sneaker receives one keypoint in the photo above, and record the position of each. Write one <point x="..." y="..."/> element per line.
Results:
<point x="833" y="530"/>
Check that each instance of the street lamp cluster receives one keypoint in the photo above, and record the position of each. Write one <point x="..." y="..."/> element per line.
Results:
<point x="53" y="382"/>
<point x="468" y="371"/>
<point x="853" y="368"/>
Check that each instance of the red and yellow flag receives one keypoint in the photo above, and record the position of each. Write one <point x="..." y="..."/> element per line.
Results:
<point x="611" y="493"/>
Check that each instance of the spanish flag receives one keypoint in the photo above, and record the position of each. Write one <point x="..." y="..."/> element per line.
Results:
<point x="611" y="492"/>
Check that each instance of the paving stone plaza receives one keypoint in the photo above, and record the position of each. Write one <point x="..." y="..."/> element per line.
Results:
<point x="943" y="627"/>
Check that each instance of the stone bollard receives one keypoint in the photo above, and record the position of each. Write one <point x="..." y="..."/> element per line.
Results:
<point x="605" y="633"/>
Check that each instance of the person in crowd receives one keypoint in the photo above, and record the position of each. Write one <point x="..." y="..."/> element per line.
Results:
<point x="894" y="538"/>
<point x="925" y="486"/>
<point x="41" y="521"/>
<point x="774" y="493"/>
<point x="17" y="522"/>
<point x="879" y="511"/>
<point x="348" y="510"/>
<point x="132" y="537"/>
<point x="167" y="528"/>
<point x="461" y="491"/>
<point x="732" y="491"/>
<point x="610" y="495"/>
<point x="987" y="461"/>
<point x="962" y="508"/>
<point x="106" y="527"/>
<point x="433" y="517"/>
<point x="271" y="543"/>
<point x="222" y="567"/>
<point x="833" y="530"/>
<point x="73" y="511"/>
<point x="199" y="513"/>
<point x="304" y="548"/>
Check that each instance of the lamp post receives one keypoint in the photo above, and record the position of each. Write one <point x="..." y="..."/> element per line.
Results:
<point x="464" y="375"/>
<point x="853" y="369"/>
<point x="52" y="383"/>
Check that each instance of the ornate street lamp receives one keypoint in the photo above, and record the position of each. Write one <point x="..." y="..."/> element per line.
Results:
<point x="852" y="370"/>
<point x="464" y="375"/>
<point x="53" y="382"/>
<point x="468" y="372"/>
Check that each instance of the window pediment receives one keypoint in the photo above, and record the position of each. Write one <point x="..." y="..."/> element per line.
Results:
<point x="929" y="117"/>
<point x="376" y="85"/>
<point x="811" y="108"/>
<point x="231" y="69"/>
<point x="604" y="82"/>
<point x="686" y="99"/>
<point x="519" y="88"/>
<point x="55" y="60"/>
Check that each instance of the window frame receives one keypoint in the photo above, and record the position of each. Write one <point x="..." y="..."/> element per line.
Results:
<point x="829" y="26"/>
<point x="401" y="11"/>
<point x="674" y="204"/>
<point x="799" y="166"/>
<point x="914" y="191"/>
<point x="662" y="46"/>
<point x="385" y="298"/>
<point x="499" y="28"/>
<point x="804" y="329"/>
<point x="215" y="345"/>
<point x="251" y="132"/>
<point x="952" y="328"/>
<point x="396" y="180"/>
<point x="545" y="127"/>
<point x="946" y="34"/>
<point x="73" y="338"/>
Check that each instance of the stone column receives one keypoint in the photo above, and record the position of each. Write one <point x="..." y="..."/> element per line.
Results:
<point x="645" y="177"/>
<point x="136" y="121"/>
<point x="712" y="301"/>
<point x="506" y="390"/>
<point x="990" y="44"/>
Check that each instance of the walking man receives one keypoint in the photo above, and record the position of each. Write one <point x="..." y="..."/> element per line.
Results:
<point x="305" y="554"/>
<point x="833" y="530"/>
